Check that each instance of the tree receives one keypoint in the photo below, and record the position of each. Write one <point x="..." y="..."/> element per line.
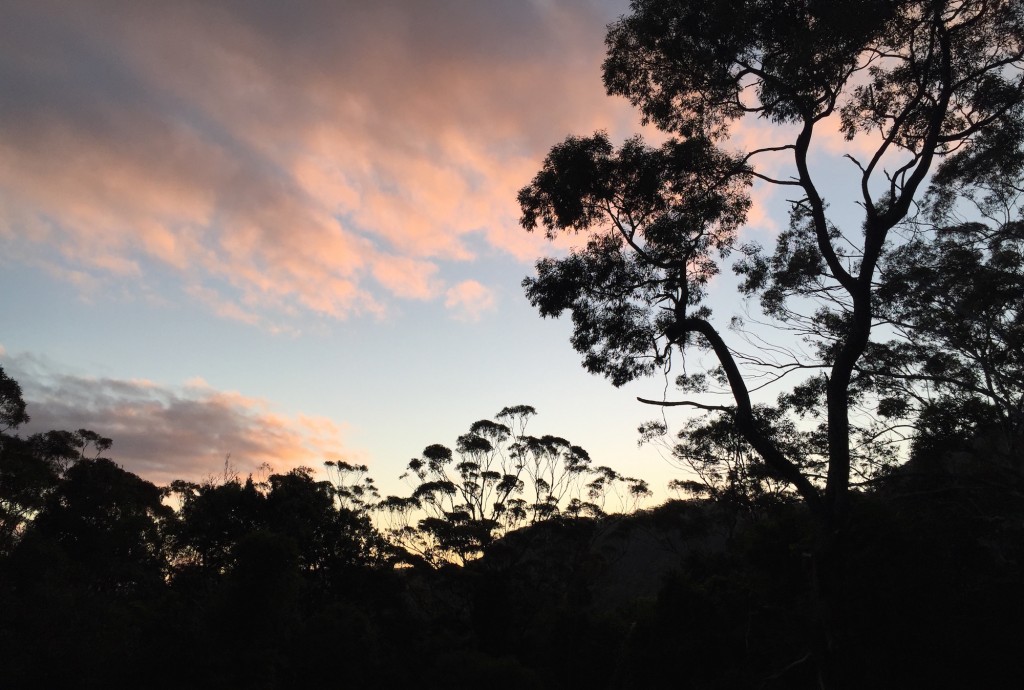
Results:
<point x="12" y="405"/>
<point x="354" y="489"/>
<point x="955" y="295"/>
<point x="726" y="467"/>
<point x="499" y="478"/>
<point x="328" y="538"/>
<point x="109" y="522"/>
<point x="924" y="82"/>
<point x="32" y="468"/>
<point x="211" y="520"/>
<point x="919" y="86"/>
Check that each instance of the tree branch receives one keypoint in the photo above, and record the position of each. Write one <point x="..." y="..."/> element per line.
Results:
<point x="687" y="403"/>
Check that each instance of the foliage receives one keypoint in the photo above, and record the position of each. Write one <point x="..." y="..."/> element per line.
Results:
<point x="921" y="83"/>
<point x="110" y="522"/>
<point x="354" y="489"/>
<point x="12" y="404"/>
<point x="216" y="518"/>
<point x="956" y="296"/>
<point x="498" y="479"/>
<point x="251" y="583"/>
<point x="656" y="220"/>
<point x="725" y="465"/>
<point x="31" y="470"/>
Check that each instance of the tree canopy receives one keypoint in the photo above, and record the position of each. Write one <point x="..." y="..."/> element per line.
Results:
<point x="927" y="87"/>
<point x="498" y="479"/>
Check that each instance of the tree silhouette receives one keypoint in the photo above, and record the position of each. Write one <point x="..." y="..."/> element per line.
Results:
<point x="354" y="489"/>
<point x="25" y="482"/>
<point x="922" y="81"/>
<point x="499" y="478"/>
<point x="31" y="469"/>
<point x="726" y="467"/>
<point x="212" y="519"/>
<point x="328" y="539"/>
<point x="254" y="583"/>
<point x="924" y="86"/>
<point x="110" y="522"/>
<point x="23" y="479"/>
<point x="955" y="293"/>
<point x="12" y="404"/>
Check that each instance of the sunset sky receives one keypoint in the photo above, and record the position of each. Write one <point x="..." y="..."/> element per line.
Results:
<point x="288" y="231"/>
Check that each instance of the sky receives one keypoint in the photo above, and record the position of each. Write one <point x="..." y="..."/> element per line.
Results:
<point x="288" y="232"/>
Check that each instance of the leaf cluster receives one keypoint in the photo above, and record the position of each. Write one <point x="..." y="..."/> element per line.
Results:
<point x="656" y="219"/>
<point x="498" y="479"/>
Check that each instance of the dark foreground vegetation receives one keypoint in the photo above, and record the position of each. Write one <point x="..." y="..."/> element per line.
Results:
<point x="109" y="581"/>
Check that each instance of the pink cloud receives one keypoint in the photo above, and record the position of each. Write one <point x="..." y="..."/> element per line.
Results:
<point x="469" y="300"/>
<point x="164" y="433"/>
<point x="328" y="158"/>
<point x="323" y="159"/>
<point x="407" y="277"/>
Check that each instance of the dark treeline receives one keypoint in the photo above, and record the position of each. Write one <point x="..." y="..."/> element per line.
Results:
<point x="107" y="580"/>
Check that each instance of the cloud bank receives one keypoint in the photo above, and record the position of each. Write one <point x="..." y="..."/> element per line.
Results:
<point x="324" y="157"/>
<point x="164" y="433"/>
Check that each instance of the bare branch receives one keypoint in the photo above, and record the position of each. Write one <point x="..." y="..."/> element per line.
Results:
<point x="687" y="403"/>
